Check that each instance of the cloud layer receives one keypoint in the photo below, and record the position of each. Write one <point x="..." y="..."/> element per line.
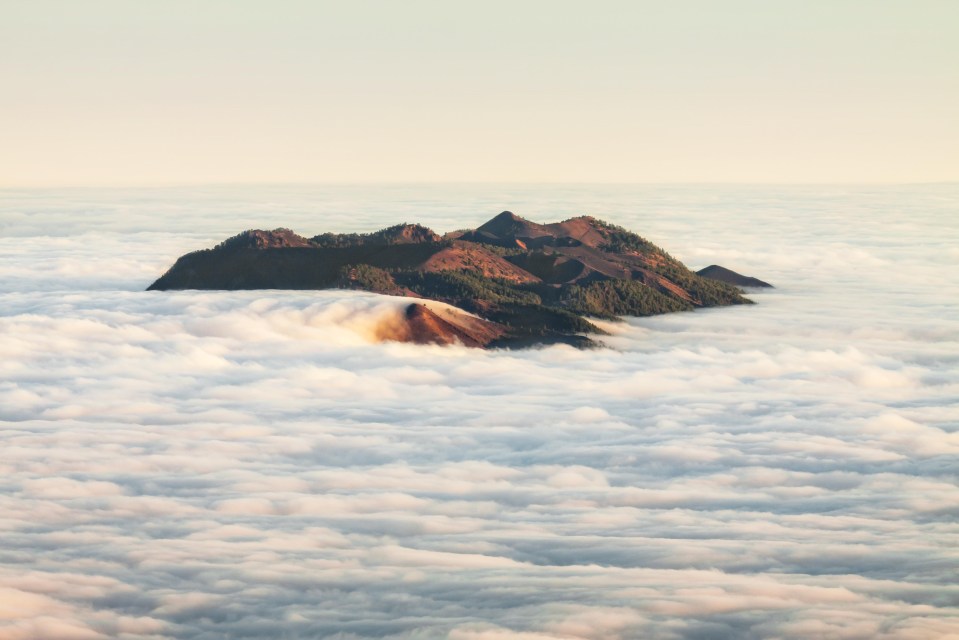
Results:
<point x="254" y="465"/>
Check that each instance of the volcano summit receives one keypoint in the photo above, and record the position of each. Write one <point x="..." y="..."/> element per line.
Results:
<point x="519" y="283"/>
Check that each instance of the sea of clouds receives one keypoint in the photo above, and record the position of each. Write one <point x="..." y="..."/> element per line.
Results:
<point x="256" y="465"/>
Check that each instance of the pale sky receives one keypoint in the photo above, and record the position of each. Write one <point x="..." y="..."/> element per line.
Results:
<point x="123" y="92"/>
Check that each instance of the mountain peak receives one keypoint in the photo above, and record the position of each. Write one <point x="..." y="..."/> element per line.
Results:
<point x="506" y="224"/>
<point x="280" y="238"/>
<point x="407" y="233"/>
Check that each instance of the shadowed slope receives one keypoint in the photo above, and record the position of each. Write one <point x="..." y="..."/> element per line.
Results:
<point x="715" y="272"/>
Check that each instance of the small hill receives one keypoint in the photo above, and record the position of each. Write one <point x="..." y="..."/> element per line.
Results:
<point x="722" y="274"/>
<point x="259" y="239"/>
<point x="525" y="283"/>
<point x="397" y="234"/>
<point x="448" y="326"/>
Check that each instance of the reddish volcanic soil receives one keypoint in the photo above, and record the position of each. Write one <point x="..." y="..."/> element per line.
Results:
<point x="428" y="327"/>
<point x="469" y="256"/>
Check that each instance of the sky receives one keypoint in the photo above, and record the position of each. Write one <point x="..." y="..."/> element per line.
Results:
<point x="110" y="92"/>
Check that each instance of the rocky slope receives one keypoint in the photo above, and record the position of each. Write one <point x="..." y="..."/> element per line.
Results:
<point x="529" y="283"/>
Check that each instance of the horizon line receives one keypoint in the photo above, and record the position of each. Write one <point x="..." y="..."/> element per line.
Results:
<point x="399" y="183"/>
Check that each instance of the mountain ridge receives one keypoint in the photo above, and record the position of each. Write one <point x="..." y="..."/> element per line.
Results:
<point x="534" y="283"/>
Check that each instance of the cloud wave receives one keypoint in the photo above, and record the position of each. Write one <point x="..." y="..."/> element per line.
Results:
<point x="254" y="465"/>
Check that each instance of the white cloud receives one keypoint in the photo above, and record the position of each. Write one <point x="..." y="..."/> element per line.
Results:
<point x="199" y="464"/>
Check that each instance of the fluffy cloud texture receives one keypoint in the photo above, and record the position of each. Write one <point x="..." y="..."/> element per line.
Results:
<point x="255" y="465"/>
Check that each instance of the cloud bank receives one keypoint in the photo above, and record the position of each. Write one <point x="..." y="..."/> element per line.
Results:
<point x="255" y="465"/>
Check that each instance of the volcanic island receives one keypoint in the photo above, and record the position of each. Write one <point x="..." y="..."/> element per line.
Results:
<point x="509" y="283"/>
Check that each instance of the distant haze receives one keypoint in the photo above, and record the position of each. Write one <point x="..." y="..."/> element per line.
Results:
<point x="108" y="92"/>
